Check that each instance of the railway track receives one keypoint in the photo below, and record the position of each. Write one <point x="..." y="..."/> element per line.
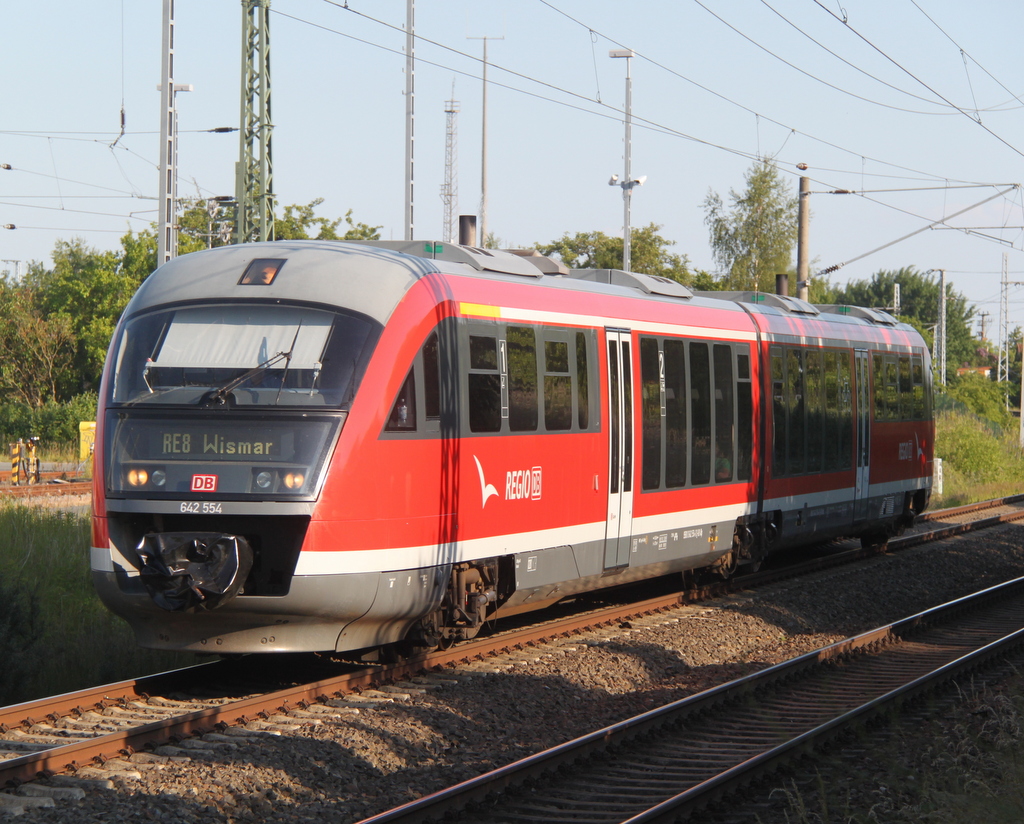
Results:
<point x="664" y="764"/>
<point x="46" y="488"/>
<point x="117" y="723"/>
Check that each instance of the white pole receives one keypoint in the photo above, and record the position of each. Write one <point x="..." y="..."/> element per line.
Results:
<point x="166" y="236"/>
<point x="627" y="183"/>
<point x="627" y="189"/>
<point x="483" y="158"/>
<point x="410" y="100"/>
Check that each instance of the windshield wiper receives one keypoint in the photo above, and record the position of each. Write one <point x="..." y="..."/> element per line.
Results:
<point x="219" y="395"/>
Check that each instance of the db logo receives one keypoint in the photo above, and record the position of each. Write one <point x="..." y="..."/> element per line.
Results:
<point x="204" y="483"/>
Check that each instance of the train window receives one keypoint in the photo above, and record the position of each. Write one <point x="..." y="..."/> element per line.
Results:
<point x="483" y="352"/>
<point x="582" y="382"/>
<point x="725" y="427"/>
<point x="676" y="435"/>
<point x="522" y="374"/>
<point x="744" y="419"/>
<point x="651" y="410"/>
<point x="742" y="367"/>
<point x="246" y="354"/>
<point x="700" y="413"/>
<point x="832" y="417"/>
<point x="403" y="413"/>
<point x="878" y="370"/>
<point x="918" y="390"/>
<point x="845" y="412"/>
<point x="815" y="411"/>
<point x="431" y="378"/>
<point x="484" y="385"/>
<point x="892" y="398"/>
<point x="780" y="407"/>
<point x="795" y="386"/>
<point x="906" y="389"/>
<point x="557" y="386"/>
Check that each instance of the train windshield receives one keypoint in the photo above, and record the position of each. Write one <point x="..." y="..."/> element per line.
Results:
<point x="242" y="355"/>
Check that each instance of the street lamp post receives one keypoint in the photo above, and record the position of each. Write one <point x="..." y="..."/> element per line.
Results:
<point x="628" y="182"/>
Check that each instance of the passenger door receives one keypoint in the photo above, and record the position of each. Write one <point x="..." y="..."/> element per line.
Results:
<point x="620" y="457"/>
<point x="863" y="447"/>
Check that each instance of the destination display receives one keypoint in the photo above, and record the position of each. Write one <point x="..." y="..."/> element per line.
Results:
<point x="170" y="455"/>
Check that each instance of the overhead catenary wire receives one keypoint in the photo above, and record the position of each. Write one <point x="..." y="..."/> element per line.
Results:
<point x="610" y="112"/>
<point x="919" y="231"/>
<point x="966" y="55"/>
<point x="938" y="94"/>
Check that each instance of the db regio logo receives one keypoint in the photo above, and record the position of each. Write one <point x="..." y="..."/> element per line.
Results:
<point x="522" y="484"/>
<point x="204" y="483"/>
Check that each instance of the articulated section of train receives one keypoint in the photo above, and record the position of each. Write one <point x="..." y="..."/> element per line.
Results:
<point x="310" y="446"/>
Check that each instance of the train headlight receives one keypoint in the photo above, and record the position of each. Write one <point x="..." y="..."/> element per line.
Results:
<point x="159" y="477"/>
<point x="294" y="480"/>
<point x="137" y="477"/>
<point x="264" y="480"/>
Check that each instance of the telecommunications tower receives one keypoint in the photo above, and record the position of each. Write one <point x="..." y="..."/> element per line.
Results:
<point x="450" y="187"/>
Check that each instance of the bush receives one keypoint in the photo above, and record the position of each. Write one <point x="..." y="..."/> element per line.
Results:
<point x="970" y="447"/>
<point x="19" y="642"/>
<point x="982" y="396"/>
<point x="979" y="461"/>
<point x="55" y="635"/>
<point x="55" y="423"/>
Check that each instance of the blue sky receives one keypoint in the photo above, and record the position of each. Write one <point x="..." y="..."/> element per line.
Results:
<point x="909" y="103"/>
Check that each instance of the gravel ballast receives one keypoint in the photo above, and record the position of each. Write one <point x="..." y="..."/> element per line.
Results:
<point x="347" y="762"/>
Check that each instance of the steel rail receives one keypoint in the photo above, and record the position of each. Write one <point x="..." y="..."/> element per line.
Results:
<point x="46" y="489"/>
<point x="99" y="748"/>
<point x="617" y="736"/>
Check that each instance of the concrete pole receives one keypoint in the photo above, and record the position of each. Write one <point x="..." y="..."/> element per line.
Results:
<point x="803" y="259"/>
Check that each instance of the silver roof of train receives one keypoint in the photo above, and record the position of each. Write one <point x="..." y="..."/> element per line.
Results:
<point x="362" y="278"/>
<point x="366" y="276"/>
<point x="371" y="277"/>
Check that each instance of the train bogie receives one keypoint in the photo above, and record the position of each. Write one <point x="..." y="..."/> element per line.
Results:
<point x="367" y="447"/>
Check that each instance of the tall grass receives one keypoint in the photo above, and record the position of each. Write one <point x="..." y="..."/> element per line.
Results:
<point x="979" y="460"/>
<point x="55" y="635"/>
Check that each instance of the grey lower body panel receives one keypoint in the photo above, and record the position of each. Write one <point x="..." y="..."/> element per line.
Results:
<point x="320" y="613"/>
<point x="559" y="572"/>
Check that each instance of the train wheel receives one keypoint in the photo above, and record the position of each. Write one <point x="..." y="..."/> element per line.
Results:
<point x="403" y="651"/>
<point x="877" y="540"/>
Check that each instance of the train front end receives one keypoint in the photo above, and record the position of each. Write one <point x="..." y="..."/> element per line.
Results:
<point x="228" y="385"/>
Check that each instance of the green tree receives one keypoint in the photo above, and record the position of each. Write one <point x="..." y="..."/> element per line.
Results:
<point x="754" y="240"/>
<point x="299" y="223"/>
<point x="649" y="253"/>
<point x="982" y="396"/>
<point x="88" y="290"/>
<point x="40" y="349"/>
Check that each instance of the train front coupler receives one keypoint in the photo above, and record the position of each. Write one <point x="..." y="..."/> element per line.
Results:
<point x="190" y="571"/>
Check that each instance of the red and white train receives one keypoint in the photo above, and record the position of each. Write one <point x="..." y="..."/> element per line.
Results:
<point x="338" y="446"/>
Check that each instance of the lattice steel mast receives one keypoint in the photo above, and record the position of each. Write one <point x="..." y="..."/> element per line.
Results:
<point x="254" y="174"/>
<point x="450" y="188"/>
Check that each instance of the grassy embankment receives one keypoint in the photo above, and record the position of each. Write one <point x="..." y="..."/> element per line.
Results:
<point x="979" y="460"/>
<point x="55" y="635"/>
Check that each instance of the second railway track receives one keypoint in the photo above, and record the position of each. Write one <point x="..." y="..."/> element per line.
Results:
<point x="668" y="762"/>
